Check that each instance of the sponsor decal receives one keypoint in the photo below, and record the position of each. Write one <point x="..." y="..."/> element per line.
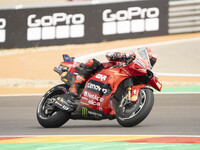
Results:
<point x="85" y="98"/>
<point x="64" y="79"/>
<point x="101" y="77"/>
<point x="61" y="105"/>
<point x="86" y="113"/>
<point x="49" y="92"/>
<point x="2" y="30"/>
<point x="95" y="114"/>
<point x="84" y="103"/>
<point x="92" y="102"/>
<point x="100" y="108"/>
<point x="131" y="20"/>
<point x="63" y="74"/>
<point x="58" y="104"/>
<point x="93" y="96"/>
<point x="98" y="87"/>
<point x="56" y="26"/>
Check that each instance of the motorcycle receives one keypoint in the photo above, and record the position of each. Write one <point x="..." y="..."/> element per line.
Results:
<point x="120" y="90"/>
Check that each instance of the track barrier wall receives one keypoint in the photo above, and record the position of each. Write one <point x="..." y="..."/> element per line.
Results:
<point x="184" y="16"/>
<point x="86" y="23"/>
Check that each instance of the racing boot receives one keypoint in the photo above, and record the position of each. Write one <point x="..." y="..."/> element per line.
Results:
<point x="74" y="89"/>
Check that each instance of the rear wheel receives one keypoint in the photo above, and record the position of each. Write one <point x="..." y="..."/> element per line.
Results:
<point x="48" y="115"/>
<point x="132" y="113"/>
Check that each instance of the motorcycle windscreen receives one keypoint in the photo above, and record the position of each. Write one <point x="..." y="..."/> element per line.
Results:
<point x="143" y="56"/>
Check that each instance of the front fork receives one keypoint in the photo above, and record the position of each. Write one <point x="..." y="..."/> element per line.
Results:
<point x="132" y="92"/>
<point x="128" y="83"/>
<point x="126" y="99"/>
<point x="129" y="93"/>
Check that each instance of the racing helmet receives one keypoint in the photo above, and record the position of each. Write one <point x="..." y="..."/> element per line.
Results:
<point x="152" y="56"/>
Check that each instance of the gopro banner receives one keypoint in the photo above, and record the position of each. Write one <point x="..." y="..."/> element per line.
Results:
<point x="2" y="30"/>
<point x="134" y="19"/>
<point x="82" y="24"/>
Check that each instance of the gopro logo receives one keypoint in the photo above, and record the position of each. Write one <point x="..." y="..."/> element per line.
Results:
<point x="132" y="20"/>
<point x="57" y="26"/>
<point x="2" y="30"/>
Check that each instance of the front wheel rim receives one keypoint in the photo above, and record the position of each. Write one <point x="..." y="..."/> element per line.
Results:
<point x="136" y="107"/>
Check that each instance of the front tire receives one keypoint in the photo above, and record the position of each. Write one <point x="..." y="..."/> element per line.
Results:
<point x="137" y="112"/>
<point x="48" y="115"/>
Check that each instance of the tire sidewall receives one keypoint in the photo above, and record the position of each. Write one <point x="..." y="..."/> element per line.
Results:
<point x="142" y="114"/>
<point x="60" y="117"/>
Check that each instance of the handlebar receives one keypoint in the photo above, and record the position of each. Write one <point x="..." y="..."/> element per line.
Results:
<point x="58" y="70"/>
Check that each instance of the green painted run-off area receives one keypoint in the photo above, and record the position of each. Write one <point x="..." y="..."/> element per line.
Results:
<point x="180" y="89"/>
<point x="99" y="146"/>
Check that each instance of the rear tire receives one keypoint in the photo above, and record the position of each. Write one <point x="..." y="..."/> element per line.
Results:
<point x="48" y="115"/>
<point x="139" y="111"/>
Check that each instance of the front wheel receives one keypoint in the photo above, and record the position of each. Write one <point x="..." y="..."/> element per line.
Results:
<point x="134" y="113"/>
<point x="48" y="115"/>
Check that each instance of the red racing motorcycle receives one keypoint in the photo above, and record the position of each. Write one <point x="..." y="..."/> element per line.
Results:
<point x="121" y="90"/>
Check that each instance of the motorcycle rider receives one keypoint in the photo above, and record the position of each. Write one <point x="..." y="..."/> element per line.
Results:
<point x="152" y="56"/>
<point x="92" y="66"/>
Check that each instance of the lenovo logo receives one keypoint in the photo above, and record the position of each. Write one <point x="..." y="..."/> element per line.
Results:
<point x="97" y="88"/>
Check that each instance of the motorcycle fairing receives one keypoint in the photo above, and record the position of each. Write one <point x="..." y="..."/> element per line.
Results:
<point x="90" y="114"/>
<point x="155" y="83"/>
<point x="67" y="78"/>
<point x="99" y="88"/>
<point x="135" y="91"/>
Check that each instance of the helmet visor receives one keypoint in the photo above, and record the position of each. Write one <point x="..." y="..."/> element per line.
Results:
<point x="152" y="61"/>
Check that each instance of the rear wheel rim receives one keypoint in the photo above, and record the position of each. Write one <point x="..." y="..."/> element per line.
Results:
<point x="47" y="108"/>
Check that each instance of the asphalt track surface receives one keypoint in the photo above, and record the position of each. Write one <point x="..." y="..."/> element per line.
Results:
<point x="172" y="114"/>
